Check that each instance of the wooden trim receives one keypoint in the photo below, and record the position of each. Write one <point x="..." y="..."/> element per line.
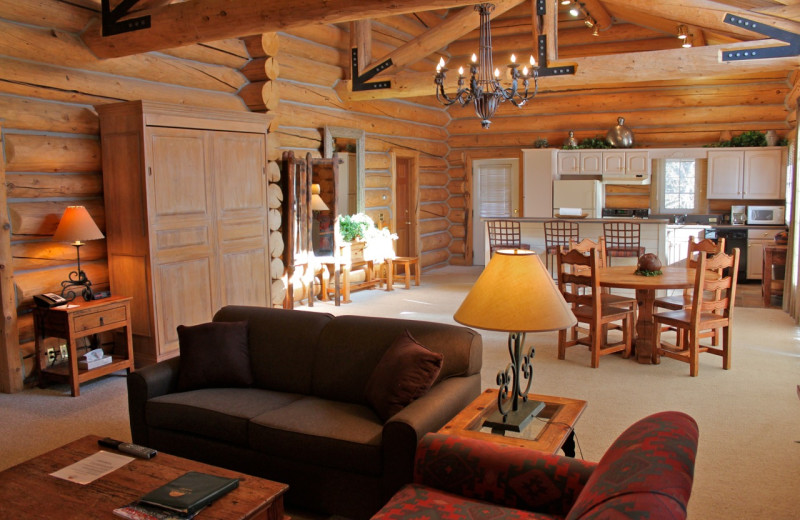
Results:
<point x="10" y="363"/>
<point x="413" y="155"/>
<point x="360" y="137"/>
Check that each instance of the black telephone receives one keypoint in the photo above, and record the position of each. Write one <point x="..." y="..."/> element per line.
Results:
<point x="49" y="300"/>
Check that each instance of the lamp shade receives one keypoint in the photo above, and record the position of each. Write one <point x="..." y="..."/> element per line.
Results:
<point x="76" y="226"/>
<point x="515" y="293"/>
<point x="317" y="204"/>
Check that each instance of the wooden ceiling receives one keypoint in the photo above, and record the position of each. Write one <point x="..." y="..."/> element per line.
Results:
<point x="636" y="42"/>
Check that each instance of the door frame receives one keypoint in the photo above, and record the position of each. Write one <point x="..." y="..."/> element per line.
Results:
<point x="413" y="189"/>
<point x="469" y="213"/>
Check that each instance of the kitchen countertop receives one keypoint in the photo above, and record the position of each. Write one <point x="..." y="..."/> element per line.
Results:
<point x="587" y="220"/>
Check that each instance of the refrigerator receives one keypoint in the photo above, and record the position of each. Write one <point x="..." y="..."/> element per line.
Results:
<point x="586" y="195"/>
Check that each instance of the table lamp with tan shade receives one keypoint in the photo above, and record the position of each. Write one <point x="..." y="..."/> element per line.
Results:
<point x="77" y="226"/>
<point x="515" y="294"/>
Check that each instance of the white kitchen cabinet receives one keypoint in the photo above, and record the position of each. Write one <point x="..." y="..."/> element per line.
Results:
<point x="757" y="238"/>
<point x="538" y="172"/>
<point x="572" y="162"/>
<point x="746" y="174"/>
<point x="614" y="163"/>
<point x="637" y="163"/>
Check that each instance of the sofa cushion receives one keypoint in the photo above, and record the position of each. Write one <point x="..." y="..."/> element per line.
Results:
<point x="214" y="355"/>
<point x="283" y="344"/>
<point x="219" y="413"/>
<point x="350" y="348"/>
<point x="405" y="372"/>
<point x="415" y="501"/>
<point x="334" y="434"/>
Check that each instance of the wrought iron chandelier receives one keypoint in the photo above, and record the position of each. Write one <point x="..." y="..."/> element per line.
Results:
<point x="485" y="88"/>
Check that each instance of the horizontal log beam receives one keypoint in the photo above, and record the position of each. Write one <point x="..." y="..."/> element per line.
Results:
<point x="693" y="63"/>
<point x="196" y="21"/>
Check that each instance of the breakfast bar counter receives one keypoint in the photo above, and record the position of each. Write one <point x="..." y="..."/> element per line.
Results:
<point x="653" y="234"/>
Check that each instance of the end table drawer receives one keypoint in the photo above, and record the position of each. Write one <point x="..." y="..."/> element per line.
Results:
<point x="100" y="319"/>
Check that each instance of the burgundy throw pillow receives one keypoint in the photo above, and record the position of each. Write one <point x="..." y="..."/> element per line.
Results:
<point x="214" y="355"/>
<point x="405" y="373"/>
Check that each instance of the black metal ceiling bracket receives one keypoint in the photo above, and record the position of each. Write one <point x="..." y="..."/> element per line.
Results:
<point x="360" y="81"/>
<point x="112" y="18"/>
<point x="544" y="70"/>
<point x="793" y="49"/>
<point x="541" y="7"/>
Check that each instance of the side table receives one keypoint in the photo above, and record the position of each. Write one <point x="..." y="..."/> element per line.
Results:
<point x="78" y="320"/>
<point x="773" y="255"/>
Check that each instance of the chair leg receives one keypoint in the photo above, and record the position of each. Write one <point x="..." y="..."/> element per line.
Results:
<point x="562" y="342"/>
<point x="597" y="341"/>
<point x="694" y="353"/>
<point x="726" y="347"/>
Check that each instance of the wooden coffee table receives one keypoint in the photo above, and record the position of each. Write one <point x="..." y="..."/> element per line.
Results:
<point x="558" y="420"/>
<point x="29" y="491"/>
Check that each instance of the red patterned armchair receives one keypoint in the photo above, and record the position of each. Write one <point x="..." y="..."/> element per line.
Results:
<point x="646" y="473"/>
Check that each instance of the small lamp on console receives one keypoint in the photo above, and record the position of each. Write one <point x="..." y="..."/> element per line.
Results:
<point x="515" y="294"/>
<point x="77" y="226"/>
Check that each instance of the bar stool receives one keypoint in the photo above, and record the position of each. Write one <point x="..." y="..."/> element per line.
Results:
<point x="622" y="239"/>
<point x="557" y="233"/>
<point x="505" y="234"/>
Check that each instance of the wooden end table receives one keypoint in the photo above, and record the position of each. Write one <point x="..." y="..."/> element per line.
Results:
<point x="76" y="320"/>
<point x="27" y="490"/>
<point x="560" y="413"/>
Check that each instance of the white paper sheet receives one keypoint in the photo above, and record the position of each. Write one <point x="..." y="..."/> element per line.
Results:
<point x="92" y="467"/>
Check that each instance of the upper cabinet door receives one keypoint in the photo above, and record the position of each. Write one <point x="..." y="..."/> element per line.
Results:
<point x="725" y="171"/>
<point x="613" y="163"/>
<point x="569" y="163"/>
<point x="763" y="178"/>
<point x="592" y="163"/>
<point x="637" y="163"/>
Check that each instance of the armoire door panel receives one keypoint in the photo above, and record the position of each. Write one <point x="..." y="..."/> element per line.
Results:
<point x="178" y="175"/>
<point x="240" y="180"/>
<point x="238" y="230"/>
<point x="166" y="239"/>
<point x="245" y="278"/>
<point x="185" y="297"/>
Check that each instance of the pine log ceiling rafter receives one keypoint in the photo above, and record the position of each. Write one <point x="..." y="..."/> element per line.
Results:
<point x="197" y="21"/>
<point x="634" y="67"/>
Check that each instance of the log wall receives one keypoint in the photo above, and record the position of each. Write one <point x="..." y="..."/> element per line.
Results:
<point x="49" y="84"/>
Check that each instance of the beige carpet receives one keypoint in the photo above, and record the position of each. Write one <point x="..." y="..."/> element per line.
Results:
<point x="748" y="465"/>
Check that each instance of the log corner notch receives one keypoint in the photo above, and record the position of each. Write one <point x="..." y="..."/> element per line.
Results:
<point x="782" y="51"/>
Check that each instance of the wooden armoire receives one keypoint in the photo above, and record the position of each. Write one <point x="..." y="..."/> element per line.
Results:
<point x="186" y="215"/>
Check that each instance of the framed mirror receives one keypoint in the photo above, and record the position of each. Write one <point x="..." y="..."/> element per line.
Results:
<point x="349" y="143"/>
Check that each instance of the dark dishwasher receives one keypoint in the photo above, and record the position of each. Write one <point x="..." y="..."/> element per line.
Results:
<point x="733" y="238"/>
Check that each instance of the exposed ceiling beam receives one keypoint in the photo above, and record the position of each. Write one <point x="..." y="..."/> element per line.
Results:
<point x="195" y="21"/>
<point x="702" y="13"/>
<point x="693" y="63"/>
<point x="453" y="27"/>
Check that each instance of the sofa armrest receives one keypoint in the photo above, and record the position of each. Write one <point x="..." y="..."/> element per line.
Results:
<point x="403" y="431"/>
<point x="509" y="476"/>
<point x="145" y="384"/>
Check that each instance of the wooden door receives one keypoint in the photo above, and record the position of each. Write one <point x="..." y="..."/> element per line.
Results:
<point x="496" y="187"/>
<point x="404" y="208"/>
<point x="240" y="184"/>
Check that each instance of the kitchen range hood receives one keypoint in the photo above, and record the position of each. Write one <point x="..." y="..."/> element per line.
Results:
<point x="626" y="179"/>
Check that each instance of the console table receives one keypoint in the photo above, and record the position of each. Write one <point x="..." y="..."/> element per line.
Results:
<point x="773" y="255"/>
<point x="79" y="319"/>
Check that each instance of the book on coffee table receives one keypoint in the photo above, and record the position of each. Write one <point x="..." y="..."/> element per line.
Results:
<point x="190" y="492"/>
<point x="140" y="511"/>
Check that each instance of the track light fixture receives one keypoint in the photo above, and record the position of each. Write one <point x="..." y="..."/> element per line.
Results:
<point x="595" y="30"/>
<point x="687" y="42"/>
<point x="574" y="11"/>
<point x="683" y="32"/>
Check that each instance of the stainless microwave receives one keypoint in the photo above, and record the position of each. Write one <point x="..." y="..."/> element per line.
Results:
<point x="766" y="215"/>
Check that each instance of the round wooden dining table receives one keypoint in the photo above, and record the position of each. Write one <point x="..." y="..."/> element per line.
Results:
<point x="623" y="277"/>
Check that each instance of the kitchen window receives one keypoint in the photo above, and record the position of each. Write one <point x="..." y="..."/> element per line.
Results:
<point x="678" y="182"/>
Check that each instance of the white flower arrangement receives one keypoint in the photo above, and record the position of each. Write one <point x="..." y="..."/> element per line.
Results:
<point x="378" y="242"/>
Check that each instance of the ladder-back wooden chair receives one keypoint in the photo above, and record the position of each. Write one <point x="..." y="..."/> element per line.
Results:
<point x="581" y="289"/>
<point x="712" y="308"/>
<point x="505" y="234"/>
<point x="684" y="301"/>
<point x="622" y="239"/>
<point x="557" y="234"/>
<point x="585" y="246"/>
